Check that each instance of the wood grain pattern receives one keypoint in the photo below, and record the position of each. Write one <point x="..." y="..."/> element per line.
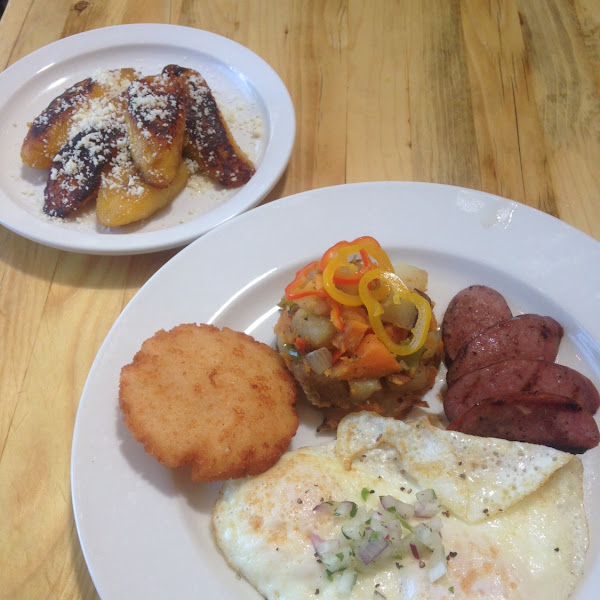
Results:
<point x="501" y="96"/>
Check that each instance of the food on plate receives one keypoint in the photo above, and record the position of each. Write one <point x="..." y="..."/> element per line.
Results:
<point x="125" y="197"/>
<point x="533" y="337"/>
<point x="518" y="375"/>
<point x="504" y="382"/>
<point x="52" y="128"/>
<point x="213" y="399"/>
<point x="155" y="120"/>
<point x="132" y="140"/>
<point x="359" y="335"/>
<point x="538" y="417"/>
<point x="399" y="510"/>
<point x="470" y="312"/>
<point x="76" y="171"/>
<point x="208" y="140"/>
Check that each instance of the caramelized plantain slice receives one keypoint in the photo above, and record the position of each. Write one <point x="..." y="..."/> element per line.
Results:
<point x="75" y="173"/>
<point x="208" y="140"/>
<point x="125" y="197"/>
<point x="155" y="121"/>
<point x="49" y="131"/>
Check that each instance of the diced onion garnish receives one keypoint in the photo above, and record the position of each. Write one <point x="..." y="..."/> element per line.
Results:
<point x="325" y="507"/>
<point x="322" y="546"/>
<point x="427" y="505"/>
<point x="437" y="564"/>
<point x="345" y="509"/>
<point x="432" y="539"/>
<point x="346" y="581"/>
<point x="368" y="535"/>
<point x="337" y="509"/>
<point x="371" y="547"/>
<point x="395" y="506"/>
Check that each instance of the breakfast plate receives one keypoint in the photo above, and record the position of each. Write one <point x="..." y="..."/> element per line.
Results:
<point x="252" y="98"/>
<point x="145" y="530"/>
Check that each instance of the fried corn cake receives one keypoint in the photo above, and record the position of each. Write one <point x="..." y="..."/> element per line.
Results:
<point x="214" y="399"/>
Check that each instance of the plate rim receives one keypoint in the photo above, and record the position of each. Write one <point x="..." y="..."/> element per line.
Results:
<point x="278" y="145"/>
<point x="265" y="213"/>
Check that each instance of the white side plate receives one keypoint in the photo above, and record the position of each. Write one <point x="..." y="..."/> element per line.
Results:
<point x="251" y="95"/>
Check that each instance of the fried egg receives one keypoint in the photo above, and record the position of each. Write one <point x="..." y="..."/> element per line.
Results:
<point x="531" y="543"/>
<point x="474" y="477"/>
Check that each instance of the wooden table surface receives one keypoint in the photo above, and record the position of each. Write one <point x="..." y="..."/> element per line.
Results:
<point x="498" y="96"/>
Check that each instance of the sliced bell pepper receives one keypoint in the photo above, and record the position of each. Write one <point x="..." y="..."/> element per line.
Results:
<point x="368" y="249"/>
<point x="332" y="252"/>
<point x="297" y="288"/>
<point x="395" y="286"/>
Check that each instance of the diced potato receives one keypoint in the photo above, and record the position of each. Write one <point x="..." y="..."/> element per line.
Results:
<point x="316" y="330"/>
<point x="413" y="277"/>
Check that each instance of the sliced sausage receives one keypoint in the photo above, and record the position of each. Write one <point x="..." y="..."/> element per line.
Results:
<point x="519" y="375"/>
<point x="536" y="418"/>
<point x="526" y="336"/>
<point x="470" y="312"/>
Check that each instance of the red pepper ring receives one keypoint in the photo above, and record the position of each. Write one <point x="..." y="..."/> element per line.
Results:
<point x="294" y="290"/>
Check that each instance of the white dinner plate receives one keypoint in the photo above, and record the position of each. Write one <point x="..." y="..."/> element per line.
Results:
<point x="252" y="97"/>
<point x="145" y="529"/>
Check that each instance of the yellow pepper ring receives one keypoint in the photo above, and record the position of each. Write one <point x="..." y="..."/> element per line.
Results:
<point x="341" y="259"/>
<point x="375" y="310"/>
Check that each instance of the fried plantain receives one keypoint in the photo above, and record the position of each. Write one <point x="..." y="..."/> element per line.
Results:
<point x="76" y="171"/>
<point x="208" y="141"/>
<point x="125" y="197"/>
<point x="155" y="121"/>
<point x="49" y="131"/>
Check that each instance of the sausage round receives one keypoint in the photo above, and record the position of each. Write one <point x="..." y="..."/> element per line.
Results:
<point x="526" y="336"/>
<point x="519" y="375"/>
<point x="536" y="418"/>
<point x="470" y="312"/>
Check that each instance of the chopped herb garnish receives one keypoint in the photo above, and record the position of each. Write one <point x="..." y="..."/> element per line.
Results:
<point x="364" y="494"/>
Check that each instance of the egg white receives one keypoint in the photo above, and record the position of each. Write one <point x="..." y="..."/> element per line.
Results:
<point x="533" y="549"/>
